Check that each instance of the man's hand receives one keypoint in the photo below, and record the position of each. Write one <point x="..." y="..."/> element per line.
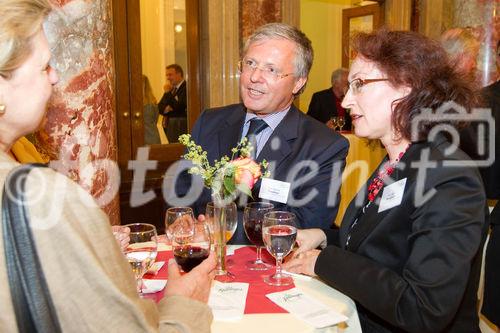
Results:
<point x="195" y="284"/>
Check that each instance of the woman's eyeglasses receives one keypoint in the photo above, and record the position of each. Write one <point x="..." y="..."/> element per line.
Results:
<point x="356" y="84"/>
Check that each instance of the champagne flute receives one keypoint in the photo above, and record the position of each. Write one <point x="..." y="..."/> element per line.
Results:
<point x="179" y="220"/>
<point x="191" y="250"/>
<point x="253" y="217"/>
<point x="142" y="249"/>
<point x="341" y="121"/>
<point x="279" y="232"/>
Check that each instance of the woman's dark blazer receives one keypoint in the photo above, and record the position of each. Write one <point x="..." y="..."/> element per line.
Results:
<point x="412" y="267"/>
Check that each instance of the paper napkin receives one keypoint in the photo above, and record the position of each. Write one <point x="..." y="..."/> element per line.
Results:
<point x="164" y="247"/>
<point x="227" y="300"/>
<point x="152" y="286"/>
<point x="155" y="268"/>
<point x="306" y="308"/>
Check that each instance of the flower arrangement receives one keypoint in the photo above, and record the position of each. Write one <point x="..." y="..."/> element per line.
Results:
<point x="229" y="175"/>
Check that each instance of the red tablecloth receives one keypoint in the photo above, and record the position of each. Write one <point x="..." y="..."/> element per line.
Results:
<point x="257" y="302"/>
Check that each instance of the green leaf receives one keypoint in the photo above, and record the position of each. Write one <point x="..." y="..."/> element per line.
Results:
<point x="245" y="189"/>
<point x="229" y="185"/>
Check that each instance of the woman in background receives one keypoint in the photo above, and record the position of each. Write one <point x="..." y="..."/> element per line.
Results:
<point x="90" y="282"/>
<point x="408" y="248"/>
<point x="150" y="113"/>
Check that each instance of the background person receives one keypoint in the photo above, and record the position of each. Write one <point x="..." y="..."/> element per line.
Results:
<point x="77" y="251"/>
<point x="327" y="103"/>
<point x="275" y="64"/>
<point x="491" y="176"/>
<point x="173" y="104"/>
<point x="410" y="254"/>
<point x="150" y="113"/>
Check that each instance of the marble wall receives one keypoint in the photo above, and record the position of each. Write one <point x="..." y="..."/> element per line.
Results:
<point x="254" y="13"/>
<point x="79" y="135"/>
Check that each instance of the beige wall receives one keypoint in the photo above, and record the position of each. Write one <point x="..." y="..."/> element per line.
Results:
<point x="321" y="21"/>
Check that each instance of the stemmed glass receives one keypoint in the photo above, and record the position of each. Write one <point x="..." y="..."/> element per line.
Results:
<point x="142" y="249"/>
<point x="341" y="121"/>
<point x="191" y="249"/>
<point x="253" y="216"/>
<point x="279" y="232"/>
<point x="334" y="121"/>
<point x="179" y="220"/>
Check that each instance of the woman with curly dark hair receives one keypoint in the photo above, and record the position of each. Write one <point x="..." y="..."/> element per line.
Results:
<point x="407" y="250"/>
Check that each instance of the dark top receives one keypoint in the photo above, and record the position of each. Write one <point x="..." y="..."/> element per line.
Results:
<point x="324" y="105"/>
<point x="297" y="139"/>
<point x="414" y="267"/>
<point x="177" y="101"/>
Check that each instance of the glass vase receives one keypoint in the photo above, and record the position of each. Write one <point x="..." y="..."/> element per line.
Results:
<point x="221" y="213"/>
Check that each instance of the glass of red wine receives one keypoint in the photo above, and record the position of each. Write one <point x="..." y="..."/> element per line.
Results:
<point x="279" y="231"/>
<point x="190" y="249"/>
<point x="253" y="216"/>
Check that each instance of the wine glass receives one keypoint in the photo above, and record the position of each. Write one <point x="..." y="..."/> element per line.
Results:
<point x="279" y="232"/>
<point x="180" y="220"/>
<point x="334" y="121"/>
<point x="191" y="249"/>
<point x="142" y="249"/>
<point x="253" y="216"/>
<point x="341" y="121"/>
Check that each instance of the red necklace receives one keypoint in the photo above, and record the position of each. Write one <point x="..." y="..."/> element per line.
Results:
<point x="386" y="170"/>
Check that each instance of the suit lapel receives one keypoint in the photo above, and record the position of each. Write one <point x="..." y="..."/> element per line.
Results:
<point x="279" y="144"/>
<point x="229" y="134"/>
<point x="371" y="218"/>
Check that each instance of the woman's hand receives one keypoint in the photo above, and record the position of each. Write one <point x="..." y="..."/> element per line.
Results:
<point x="122" y="235"/>
<point x="303" y="263"/>
<point x="195" y="284"/>
<point x="309" y="239"/>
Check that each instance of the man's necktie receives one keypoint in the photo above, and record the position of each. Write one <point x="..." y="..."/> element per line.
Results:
<point x="256" y="126"/>
<point x="174" y="91"/>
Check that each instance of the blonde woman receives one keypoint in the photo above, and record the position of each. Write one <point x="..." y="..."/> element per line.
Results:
<point x="90" y="283"/>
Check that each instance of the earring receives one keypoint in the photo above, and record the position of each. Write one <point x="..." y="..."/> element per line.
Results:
<point x="2" y="108"/>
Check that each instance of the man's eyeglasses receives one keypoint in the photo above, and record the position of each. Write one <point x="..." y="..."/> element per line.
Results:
<point x="356" y="84"/>
<point x="268" y="72"/>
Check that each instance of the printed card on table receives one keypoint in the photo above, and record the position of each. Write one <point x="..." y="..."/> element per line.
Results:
<point x="227" y="300"/>
<point x="306" y="308"/>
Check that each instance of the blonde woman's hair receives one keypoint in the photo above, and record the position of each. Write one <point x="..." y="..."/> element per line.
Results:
<point x="20" y="20"/>
<point x="147" y="92"/>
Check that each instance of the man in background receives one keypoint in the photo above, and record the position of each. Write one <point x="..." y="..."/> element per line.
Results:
<point x="325" y="104"/>
<point x="173" y="104"/>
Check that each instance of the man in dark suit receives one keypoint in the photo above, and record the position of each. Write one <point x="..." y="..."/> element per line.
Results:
<point x="173" y="104"/>
<point x="491" y="178"/>
<point x="302" y="152"/>
<point x="326" y="103"/>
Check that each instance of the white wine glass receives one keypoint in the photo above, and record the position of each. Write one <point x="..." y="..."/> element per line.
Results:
<point x="141" y="250"/>
<point x="334" y="121"/>
<point x="279" y="231"/>
<point x="253" y="216"/>
<point x="341" y="122"/>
